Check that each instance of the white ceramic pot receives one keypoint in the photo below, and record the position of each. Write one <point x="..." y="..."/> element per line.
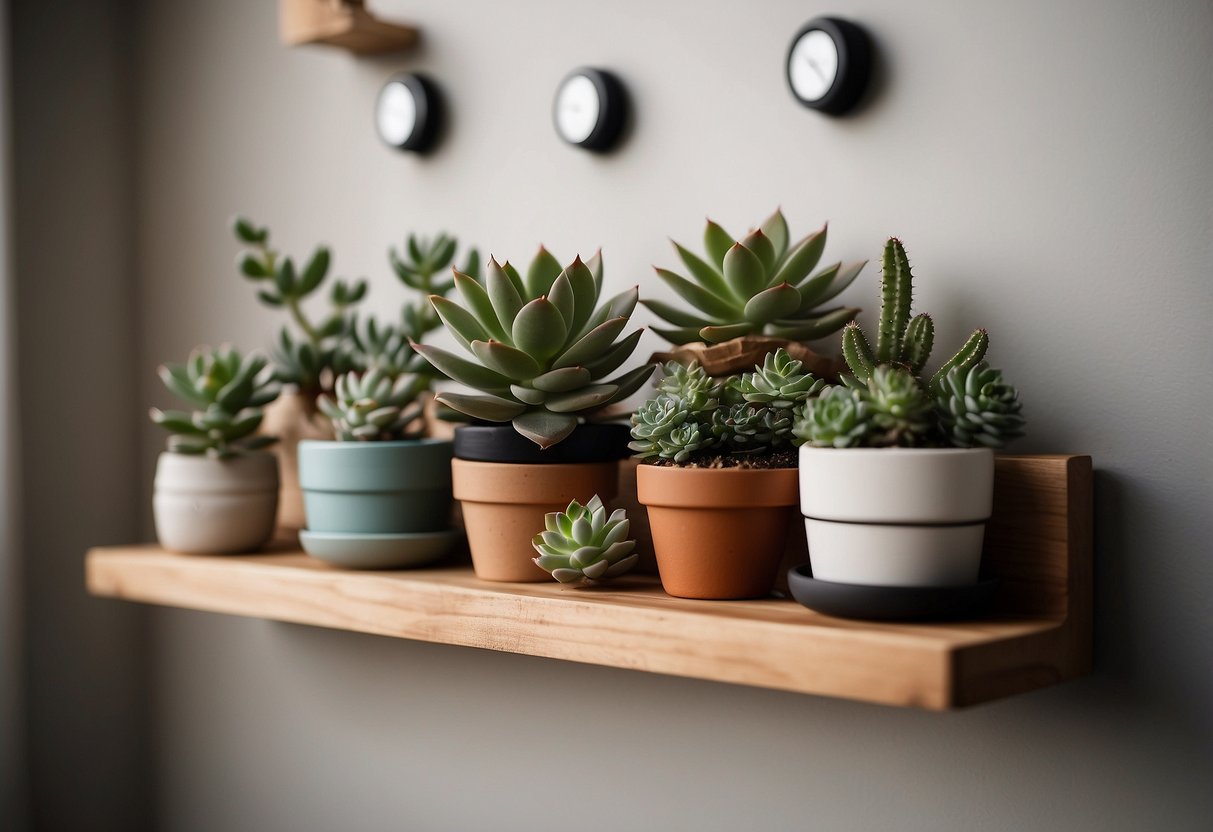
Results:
<point x="216" y="506"/>
<point x="896" y="516"/>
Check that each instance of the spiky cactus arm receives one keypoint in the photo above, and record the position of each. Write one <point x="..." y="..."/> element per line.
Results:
<point x="857" y="353"/>
<point x="896" y="296"/>
<point x="917" y="343"/>
<point x="974" y="350"/>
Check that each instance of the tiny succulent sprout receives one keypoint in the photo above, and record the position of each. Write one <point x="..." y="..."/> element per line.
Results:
<point x="374" y="406"/>
<point x="541" y="348"/>
<point x="779" y="382"/>
<point x="759" y="285"/>
<point x="584" y="543"/>
<point x="227" y="392"/>
<point x="976" y="407"/>
<point x="838" y="418"/>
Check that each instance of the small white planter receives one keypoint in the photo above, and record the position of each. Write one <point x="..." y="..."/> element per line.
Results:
<point x="217" y="506"/>
<point x="896" y="516"/>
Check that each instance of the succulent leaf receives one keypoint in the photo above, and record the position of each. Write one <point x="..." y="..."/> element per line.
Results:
<point x="581" y="543"/>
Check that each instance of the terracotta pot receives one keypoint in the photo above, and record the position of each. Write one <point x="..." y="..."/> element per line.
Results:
<point x="718" y="533"/>
<point x="293" y="418"/>
<point x="504" y="504"/>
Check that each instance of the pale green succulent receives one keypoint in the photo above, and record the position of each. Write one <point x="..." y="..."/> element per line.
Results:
<point x="228" y="393"/>
<point x="387" y="348"/>
<point x="422" y="266"/>
<point x="690" y="383"/>
<point x="756" y="285"/>
<point x="667" y="427"/>
<point x="779" y="382"/>
<point x="900" y="409"/>
<point x="541" y="346"/>
<point x="976" y="407"/>
<point x="310" y="361"/>
<point x="582" y="543"/>
<point x="749" y="428"/>
<point x="838" y="418"/>
<point x="374" y="406"/>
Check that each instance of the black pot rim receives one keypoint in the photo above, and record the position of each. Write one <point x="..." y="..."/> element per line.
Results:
<point x="591" y="442"/>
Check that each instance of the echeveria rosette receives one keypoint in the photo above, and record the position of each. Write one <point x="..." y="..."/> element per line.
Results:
<point x="667" y="427"/>
<point x="779" y="382"/>
<point x="902" y="411"/>
<point x="976" y="407"/>
<point x="389" y="348"/>
<point x="541" y="347"/>
<point x="758" y="285"/>
<point x="374" y="406"/>
<point x="228" y="392"/>
<point x="838" y="418"/>
<point x="749" y="428"/>
<point x="689" y="382"/>
<point x="583" y="542"/>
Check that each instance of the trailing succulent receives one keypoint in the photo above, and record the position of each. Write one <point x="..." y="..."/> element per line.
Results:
<point x="694" y="413"/>
<point x="319" y="351"/>
<point x="374" y="406"/>
<point x="541" y="346"/>
<point x="758" y="285"/>
<point x="583" y="543"/>
<point x="885" y="402"/>
<point x="227" y="392"/>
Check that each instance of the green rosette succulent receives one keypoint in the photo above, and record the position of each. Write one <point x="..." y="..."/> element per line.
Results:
<point x="976" y="407"/>
<point x="228" y="393"/>
<point x="758" y="285"/>
<point x="666" y="427"/>
<point x="778" y="383"/>
<point x="748" y="428"/>
<point x="374" y="406"/>
<point x="583" y="543"/>
<point x="901" y="410"/>
<point x="541" y="347"/>
<point x="688" y="382"/>
<point x="838" y="418"/>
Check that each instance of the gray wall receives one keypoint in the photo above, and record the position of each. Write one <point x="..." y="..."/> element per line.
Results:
<point x="1049" y="167"/>
<point x="77" y="405"/>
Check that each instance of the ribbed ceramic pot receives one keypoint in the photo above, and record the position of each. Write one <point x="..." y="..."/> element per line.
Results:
<point x="215" y="506"/>
<point x="376" y="487"/>
<point x="896" y="516"/>
<point x="718" y="533"/>
<point x="504" y="506"/>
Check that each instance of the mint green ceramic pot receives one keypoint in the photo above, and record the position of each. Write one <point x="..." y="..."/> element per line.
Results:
<point x="376" y="487"/>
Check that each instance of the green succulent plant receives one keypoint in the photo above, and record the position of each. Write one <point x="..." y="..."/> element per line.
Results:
<point x="756" y="285"/>
<point x="541" y="346"/>
<point x="309" y="361"/>
<point x="749" y="414"/>
<point x="838" y="418"/>
<point x="779" y="382"/>
<point x="582" y="543"/>
<point x="374" y="406"/>
<point x="386" y="347"/>
<point x="885" y="401"/>
<point x="900" y="339"/>
<point x="422" y="265"/>
<point x="227" y="392"/>
<point x="976" y="407"/>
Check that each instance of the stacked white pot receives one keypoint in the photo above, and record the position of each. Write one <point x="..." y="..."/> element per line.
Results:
<point x="896" y="516"/>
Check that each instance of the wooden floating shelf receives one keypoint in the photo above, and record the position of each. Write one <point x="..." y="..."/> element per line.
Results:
<point x="1038" y="544"/>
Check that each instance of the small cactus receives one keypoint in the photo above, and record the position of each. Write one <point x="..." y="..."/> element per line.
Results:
<point x="374" y="406"/>
<point x="228" y="392"/>
<point x="977" y="407"/>
<point x="583" y="543"/>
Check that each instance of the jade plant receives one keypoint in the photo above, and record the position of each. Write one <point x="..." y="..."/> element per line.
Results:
<point x="541" y="346"/>
<point x="319" y="351"/>
<point x="583" y="543"/>
<point x="374" y="406"/>
<point x="227" y="392"/>
<point x="694" y="416"/>
<point x="758" y="285"/>
<point x="421" y="266"/>
<point x="886" y="402"/>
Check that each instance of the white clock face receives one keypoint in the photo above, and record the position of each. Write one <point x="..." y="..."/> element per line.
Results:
<point x="813" y="65"/>
<point x="396" y="113"/>
<point x="577" y="109"/>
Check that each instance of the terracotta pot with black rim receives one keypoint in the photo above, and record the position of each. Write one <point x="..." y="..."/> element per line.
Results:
<point x="718" y="533"/>
<point x="506" y="484"/>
